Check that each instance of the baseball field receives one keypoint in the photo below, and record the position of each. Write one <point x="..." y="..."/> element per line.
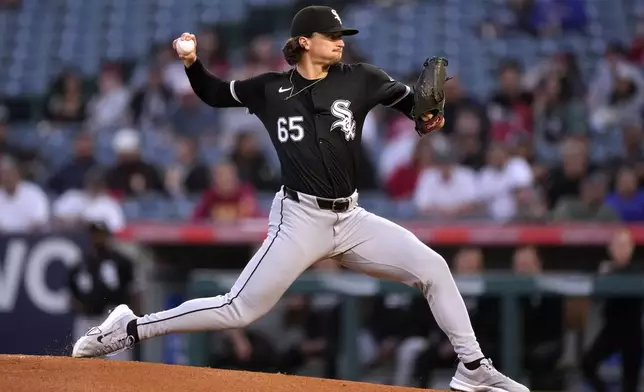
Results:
<point x="23" y="373"/>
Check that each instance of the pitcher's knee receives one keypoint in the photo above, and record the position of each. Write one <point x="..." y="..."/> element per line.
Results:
<point x="433" y="266"/>
<point x="244" y="313"/>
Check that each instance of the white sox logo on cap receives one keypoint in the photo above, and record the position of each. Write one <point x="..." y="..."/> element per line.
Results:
<point x="335" y="15"/>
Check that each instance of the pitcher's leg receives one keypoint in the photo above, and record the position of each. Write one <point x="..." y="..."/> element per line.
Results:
<point x="381" y="248"/>
<point x="271" y="271"/>
<point x="386" y="250"/>
<point x="292" y="245"/>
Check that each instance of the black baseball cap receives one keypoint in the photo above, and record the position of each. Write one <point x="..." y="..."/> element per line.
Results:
<point x="318" y="19"/>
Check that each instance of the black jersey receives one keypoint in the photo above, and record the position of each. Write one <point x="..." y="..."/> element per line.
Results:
<point x="315" y="125"/>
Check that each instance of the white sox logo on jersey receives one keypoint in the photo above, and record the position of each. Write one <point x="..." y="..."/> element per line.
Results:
<point x="335" y="15"/>
<point x="346" y="123"/>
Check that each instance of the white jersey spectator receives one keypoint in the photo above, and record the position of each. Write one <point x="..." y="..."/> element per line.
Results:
<point x="499" y="180"/>
<point x="92" y="204"/>
<point x="447" y="190"/>
<point x="24" y="207"/>
<point x="110" y="107"/>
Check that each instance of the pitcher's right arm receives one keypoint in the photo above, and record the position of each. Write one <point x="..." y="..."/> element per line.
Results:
<point x="217" y="92"/>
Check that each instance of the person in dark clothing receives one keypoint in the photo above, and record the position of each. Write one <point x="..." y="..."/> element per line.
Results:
<point x="189" y="175"/>
<point x="565" y="180"/>
<point x="151" y="104"/>
<point x="103" y="279"/>
<point x="622" y="330"/>
<point x="72" y="174"/>
<point x="132" y="176"/>
<point x="247" y="350"/>
<point x="543" y="324"/>
<point x="318" y="316"/>
<point x="66" y="99"/>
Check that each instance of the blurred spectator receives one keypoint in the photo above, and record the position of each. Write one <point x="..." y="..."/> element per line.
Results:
<point x="25" y="158"/>
<point x="446" y="190"/>
<point x="531" y="206"/>
<point x="24" y="207"/>
<point x="622" y="321"/>
<point x="131" y="176"/>
<point x="616" y="91"/>
<point x="397" y="331"/>
<point x="458" y="100"/>
<point x="262" y="56"/>
<point x="398" y="147"/>
<point x="212" y="52"/>
<point x="509" y="108"/>
<point x="623" y="105"/>
<point x="72" y="174"/>
<point x="103" y="279"/>
<point x="229" y="199"/>
<point x="564" y="180"/>
<point x="189" y="175"/>
<point x="245" y="349"/>
<point x="590" y="206"/>
<point x="252" y="164"/>
<point x="564" y="68"/>
<point x="543" y="341"/>
<point x="636" y="53"/>
<point x="500" y="181"/>
<point x="557" y="116"/>
<point x="93" y="203"/>
<point x="470" y="138"/>
<point x="603" y="80"/>
<point x="163" y="57"/>
<point x="66" y="100"/>
<point x="109" y="107"/>
<point x="628" y="198"/>
<point x="318" y="318"/>
<point x="402" y="182"/>
<point x="192" y="117"/>
<point x="633" y="148"/>
<point x="151" y="103"/>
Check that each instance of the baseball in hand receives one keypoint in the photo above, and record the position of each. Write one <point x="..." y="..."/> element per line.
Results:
<point x="185" y="47"/>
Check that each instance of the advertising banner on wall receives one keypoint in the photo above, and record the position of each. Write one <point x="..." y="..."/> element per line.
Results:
<point x="35" y="315"/>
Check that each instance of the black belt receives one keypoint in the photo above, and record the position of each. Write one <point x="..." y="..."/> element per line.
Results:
<point x="335" y="205"/>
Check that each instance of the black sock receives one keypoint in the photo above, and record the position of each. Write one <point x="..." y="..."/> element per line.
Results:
<point x="474" y="364"/>
<point x="132" y="331"/>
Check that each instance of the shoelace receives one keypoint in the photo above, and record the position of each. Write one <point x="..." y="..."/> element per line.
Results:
<point x="490" y="367"/>
<point x="116" y="346"/>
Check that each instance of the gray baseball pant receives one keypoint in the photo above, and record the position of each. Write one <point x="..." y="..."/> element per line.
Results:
<point x="300" y="234"/>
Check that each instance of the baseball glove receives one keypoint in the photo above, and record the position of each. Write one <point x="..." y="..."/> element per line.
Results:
<point x="429" y="95"/>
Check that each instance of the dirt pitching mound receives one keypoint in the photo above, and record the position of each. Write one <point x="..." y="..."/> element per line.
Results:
<point x="25" y="373"/>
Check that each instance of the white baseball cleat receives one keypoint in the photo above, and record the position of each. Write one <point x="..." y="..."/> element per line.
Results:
<point x="484" y="378"/>
<point x="109" y="338"/>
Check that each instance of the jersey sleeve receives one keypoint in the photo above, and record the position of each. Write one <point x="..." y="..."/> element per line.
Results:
<point x="382" y="89"/>
<point x="219" y="93"/>
<point x="250" y="93"/>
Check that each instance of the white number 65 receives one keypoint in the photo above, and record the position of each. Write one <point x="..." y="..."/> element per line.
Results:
<point x="290" y="128"/>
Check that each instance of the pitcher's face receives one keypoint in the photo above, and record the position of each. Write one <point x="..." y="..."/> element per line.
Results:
<point x="324" y="48"/>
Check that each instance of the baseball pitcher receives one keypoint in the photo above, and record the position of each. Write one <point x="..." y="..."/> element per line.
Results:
<point x="314" y="114"/>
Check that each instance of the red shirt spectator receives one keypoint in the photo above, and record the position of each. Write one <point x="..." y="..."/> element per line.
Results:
<point x="402" y="182"/>
<point x="228" y="199"/>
